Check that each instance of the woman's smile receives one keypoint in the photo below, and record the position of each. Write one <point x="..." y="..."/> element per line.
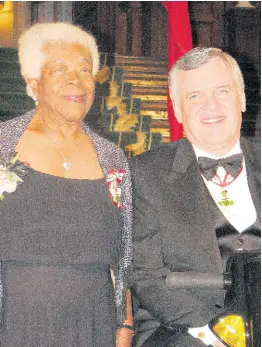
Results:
<point x="75" y="98"/>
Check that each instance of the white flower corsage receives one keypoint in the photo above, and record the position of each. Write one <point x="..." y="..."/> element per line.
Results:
<point x="113" y="179"/>
<point x="11" y="172"/>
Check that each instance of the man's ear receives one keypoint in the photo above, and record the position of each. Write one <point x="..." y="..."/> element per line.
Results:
<point x="32" y="83"/>
<point x="178" y="112"/>
<point x="243" y="101"/>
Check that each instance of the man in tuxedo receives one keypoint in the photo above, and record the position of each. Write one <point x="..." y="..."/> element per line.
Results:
<point x="193" y="209"/>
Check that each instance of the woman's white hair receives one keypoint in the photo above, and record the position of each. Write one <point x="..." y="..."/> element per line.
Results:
<point x="33" y="40"/>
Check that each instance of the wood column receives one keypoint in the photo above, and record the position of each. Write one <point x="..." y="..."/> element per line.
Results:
<point x="51" y="11"/>
<point x="135" y="7"/>
<point x="106" y="20"/>
<point x="243" y="33"/>
<point x="121" y="30"/>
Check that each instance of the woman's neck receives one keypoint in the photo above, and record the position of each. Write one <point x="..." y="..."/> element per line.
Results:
<point x="59" y="127"/>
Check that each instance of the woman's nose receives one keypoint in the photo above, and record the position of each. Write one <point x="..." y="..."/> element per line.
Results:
<point x="73" y="77"/>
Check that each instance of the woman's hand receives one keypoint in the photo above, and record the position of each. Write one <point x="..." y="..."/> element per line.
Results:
<point x="124" y="337"/>
<point x="217" y="343"/>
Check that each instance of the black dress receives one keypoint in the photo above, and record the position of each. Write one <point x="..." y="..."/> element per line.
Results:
<point x="59" y="238"/>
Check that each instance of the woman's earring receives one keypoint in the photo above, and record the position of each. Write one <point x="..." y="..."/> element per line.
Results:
<point x="36" y="100"/>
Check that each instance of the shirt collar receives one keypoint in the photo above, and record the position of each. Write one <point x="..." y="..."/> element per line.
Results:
<point x="200" y="153"/>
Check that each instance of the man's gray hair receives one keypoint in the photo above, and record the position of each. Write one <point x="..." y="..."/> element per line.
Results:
<point x="34" y="39"/>
<point x="197" y="57"/>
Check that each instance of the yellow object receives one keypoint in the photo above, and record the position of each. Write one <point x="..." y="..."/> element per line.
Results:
<point x="7" y="24"/>
<point x="231" y="330"/>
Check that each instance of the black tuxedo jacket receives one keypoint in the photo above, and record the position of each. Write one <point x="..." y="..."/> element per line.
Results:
<point x="174" y="229"/>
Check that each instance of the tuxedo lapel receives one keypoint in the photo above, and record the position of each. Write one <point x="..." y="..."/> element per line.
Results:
<point x="186" y="174"/>
<point x="194" y="204"/>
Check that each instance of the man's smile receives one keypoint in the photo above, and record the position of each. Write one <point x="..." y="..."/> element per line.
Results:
<point x="213" y="120"/>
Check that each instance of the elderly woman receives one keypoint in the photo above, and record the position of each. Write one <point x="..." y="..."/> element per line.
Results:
<point x="65" y="206"/>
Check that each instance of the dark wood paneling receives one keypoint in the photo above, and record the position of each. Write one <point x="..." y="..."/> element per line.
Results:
<point x="243" y="41"/>
<point x="159" y="30"/>
<point x="85" y="14"/>
<point x="243" y="32"/>
<point x="207" y="22"/>
<point x="107" y="25"/>
<point x="134" y="28"/>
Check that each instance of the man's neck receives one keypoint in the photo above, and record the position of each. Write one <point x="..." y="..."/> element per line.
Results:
<point x="215" y="155"/>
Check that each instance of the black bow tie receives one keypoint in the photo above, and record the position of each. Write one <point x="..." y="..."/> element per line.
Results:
<point x="232" y="165"/>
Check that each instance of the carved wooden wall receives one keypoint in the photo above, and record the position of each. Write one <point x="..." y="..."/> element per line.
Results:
<point x="129" y="28"/>
<point x="236" y="30"/>
<point x="139" y="28"/>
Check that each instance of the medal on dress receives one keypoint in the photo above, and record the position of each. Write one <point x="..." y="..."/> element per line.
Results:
<point x="225" y="202"/>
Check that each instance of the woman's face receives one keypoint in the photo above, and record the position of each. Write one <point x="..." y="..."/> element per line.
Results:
<point x="66" y="86"/>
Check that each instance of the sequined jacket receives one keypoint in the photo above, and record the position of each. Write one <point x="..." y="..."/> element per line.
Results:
<point x="110" y="157"/>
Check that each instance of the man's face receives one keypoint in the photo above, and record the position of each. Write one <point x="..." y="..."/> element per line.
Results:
<point x="210" y="106"/>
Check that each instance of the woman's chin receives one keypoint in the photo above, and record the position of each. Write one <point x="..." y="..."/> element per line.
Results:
<point x="71" y="113"/>
<point x="76" y="109"/>
<point x="74" y="116"/>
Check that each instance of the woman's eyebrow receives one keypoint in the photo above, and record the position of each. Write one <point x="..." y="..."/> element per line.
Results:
<point x="88" y="60"/>
<point x="55" y="61"/>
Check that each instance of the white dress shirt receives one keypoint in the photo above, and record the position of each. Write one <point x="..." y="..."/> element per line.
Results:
<point x="241" y="214"/>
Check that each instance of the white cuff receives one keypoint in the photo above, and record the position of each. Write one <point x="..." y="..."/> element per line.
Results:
<point x="204" y="334"/>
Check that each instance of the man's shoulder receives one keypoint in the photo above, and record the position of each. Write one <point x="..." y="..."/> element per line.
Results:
<point x="251" y="150"/>
<point x="160" y="157"/>
<point x="253" y="143"/>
